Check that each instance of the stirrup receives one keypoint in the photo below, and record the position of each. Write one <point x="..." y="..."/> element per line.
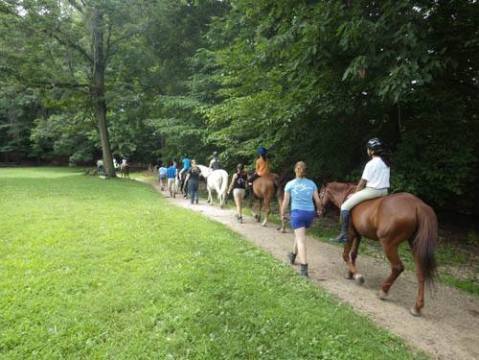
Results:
<point x="341" y="238"/>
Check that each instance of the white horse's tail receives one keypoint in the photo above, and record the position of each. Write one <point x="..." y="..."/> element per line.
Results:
<point x="222" y="186"/>
<point x="224" y="183"/>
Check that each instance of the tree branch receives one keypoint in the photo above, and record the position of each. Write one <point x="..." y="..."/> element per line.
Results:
<point x="108" y="43"/>
<point x="71" y="44"/>
<point x="76" y="6"/>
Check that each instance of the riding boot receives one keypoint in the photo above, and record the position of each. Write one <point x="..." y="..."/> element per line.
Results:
<point x="303" y="270"/>
<point x="343" y="236"/>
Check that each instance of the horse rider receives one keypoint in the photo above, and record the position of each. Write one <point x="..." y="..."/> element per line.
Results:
<point x="186" y="166"/>
<point x="263" y="166"/>
<point x="374" y="183"/>
<point x="215" y="161"/>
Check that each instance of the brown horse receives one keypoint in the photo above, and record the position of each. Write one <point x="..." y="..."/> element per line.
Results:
<point x="391" y="220"/>
<point x="265" y="188"/>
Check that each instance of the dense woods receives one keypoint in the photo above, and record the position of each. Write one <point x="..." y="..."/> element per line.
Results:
<point x="311" y="80"/>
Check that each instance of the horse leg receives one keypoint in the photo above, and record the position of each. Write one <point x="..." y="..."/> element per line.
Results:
<point x="353" y="272"/>
<point x="266" y="209"/>
<point x="416" y="309"/>
<point x="283" y="224"/>
<point x="221" y="198"/>
<point x="397" y="267"/>
<point x="210" y="197"/>
<point x="256" y="209"/>
<point x="347" y="259"/>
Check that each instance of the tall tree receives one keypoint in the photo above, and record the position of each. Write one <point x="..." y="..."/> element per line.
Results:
<point x="72" y="43"/>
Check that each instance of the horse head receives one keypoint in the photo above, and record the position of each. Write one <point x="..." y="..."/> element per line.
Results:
<point x="334" y="193"/>
<point x="324" y="200"/>
<point x="205" y="171"/>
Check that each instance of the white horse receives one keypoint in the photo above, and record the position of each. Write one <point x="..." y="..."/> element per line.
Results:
<point x="215" y="180"/>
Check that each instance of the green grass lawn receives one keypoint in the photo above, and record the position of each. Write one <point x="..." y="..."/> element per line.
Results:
<point x="95" y="268"/>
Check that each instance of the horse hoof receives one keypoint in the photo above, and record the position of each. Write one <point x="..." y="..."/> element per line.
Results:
<point x="359" y="279"/>
<point x="349" y="276"/>
<point x="414" y="312"/>
<point x="382" y="295"/>
<point x="263" y="224"/>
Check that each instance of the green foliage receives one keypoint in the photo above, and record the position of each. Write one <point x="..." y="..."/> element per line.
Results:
<point x="167" y="283"/>
<point x="18" y="107"/>
<point x="312" y="80"/>
<point x="65" y="135"/>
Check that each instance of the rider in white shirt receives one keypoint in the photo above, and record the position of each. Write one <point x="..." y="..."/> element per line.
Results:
<point x="374" y="183"/>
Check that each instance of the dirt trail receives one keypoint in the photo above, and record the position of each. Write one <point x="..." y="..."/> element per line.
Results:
<point x="449" y="327"/>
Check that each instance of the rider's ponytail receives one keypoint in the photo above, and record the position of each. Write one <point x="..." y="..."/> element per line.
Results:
<point x="385" y="157"/>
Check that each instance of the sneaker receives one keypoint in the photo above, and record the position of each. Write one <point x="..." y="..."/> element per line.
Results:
<point x="303" y="271"/>
<point x="291" y="257"/>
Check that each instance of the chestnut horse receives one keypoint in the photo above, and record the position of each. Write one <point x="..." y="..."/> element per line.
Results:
<point x="265" y="188"/>
<point x="391" y="220"/>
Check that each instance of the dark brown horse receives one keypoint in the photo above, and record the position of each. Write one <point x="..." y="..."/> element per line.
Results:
<point x="390" y="220"/>
<point x="265" y="188"/>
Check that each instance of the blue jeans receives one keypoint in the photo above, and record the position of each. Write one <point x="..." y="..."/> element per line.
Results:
<point x="193" y="190"/>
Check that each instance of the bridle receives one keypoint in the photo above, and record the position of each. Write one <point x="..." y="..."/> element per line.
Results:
<point x="322" y="194"/>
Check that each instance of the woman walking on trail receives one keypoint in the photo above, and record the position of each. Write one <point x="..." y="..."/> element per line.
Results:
<point x="301" y="191"/>
<point x="238" y="186"/>
<point x="374" y="183"/>
<point x="171" y="177"/>
<point x="162" y="176"/>
<point x="193" y="179"/>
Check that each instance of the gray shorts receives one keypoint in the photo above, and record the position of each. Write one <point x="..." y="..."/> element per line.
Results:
<point x="238" y="193"/>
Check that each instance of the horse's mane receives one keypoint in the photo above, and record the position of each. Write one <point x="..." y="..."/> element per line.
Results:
<point x="340" y="186"/>
<point x="204" y="170"/>
<point x="339" y="190"/>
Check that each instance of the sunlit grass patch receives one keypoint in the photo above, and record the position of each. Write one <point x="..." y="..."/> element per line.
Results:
<point x="97" y="268"/>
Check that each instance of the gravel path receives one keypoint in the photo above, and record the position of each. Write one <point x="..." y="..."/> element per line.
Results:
<point x="449" y="327"/>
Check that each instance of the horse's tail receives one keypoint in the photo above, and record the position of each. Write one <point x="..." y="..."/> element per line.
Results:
<point x="224" y="183"/>
<point x="425" y="241"/>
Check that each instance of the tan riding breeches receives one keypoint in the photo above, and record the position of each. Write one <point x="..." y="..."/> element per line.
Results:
<point x="363" y="195"/>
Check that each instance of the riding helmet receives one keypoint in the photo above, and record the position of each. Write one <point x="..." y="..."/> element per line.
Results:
<point x="375" y="144"/>
<point x="262" y="150"/>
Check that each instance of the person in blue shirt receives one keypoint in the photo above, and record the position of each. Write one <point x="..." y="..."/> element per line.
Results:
<point x="186" y="166"/>
<point x="301" y="192"/>
<point x="171" y="176"/>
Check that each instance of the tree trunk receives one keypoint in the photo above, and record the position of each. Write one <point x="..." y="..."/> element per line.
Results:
<point x="98" y="90"/>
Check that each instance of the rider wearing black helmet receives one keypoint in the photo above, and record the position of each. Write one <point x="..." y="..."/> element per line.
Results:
<point x="374" y="183"/>
<point x="215" y="161"/>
